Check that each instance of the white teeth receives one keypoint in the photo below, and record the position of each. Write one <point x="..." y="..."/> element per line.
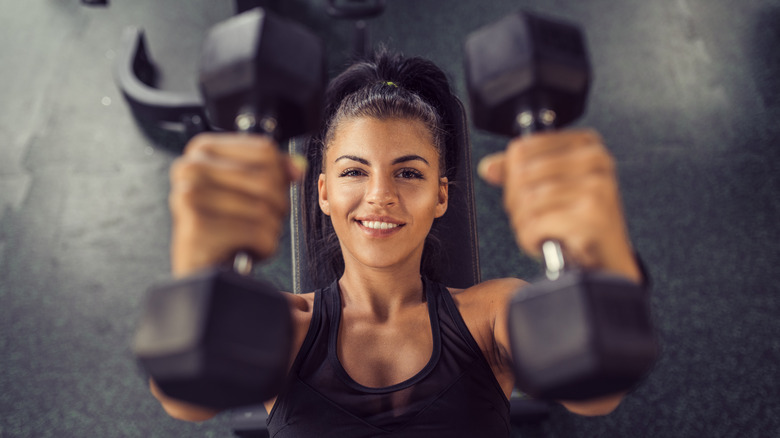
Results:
<point x="376" y="225"/>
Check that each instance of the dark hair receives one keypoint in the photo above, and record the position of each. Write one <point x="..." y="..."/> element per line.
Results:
<point x="387" y="86"/>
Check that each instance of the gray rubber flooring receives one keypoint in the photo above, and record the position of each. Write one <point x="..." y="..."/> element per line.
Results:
<point x="686" y="94"/>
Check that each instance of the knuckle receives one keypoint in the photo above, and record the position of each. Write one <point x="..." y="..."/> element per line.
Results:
<point x="179" y="200"/>
<point x="277" y="198"/>
<point x="519" y="225"/>
<point x="591" y="136"/>
<point x="268" y="143"/>
<point x="602" y="187"/>
<point x="609" y="163"/>
<point x="184" y="169"/>
<point x="175" y="171"/>
<point x="528" y="241"/>
<point x="601" y="154"/>
<point x="189" y="198"/>
<point x="200" y="142"/>
<point x="263" y="213"/>
<point x="266" y="243"/>
<point x="265" y="147"/>
<point x="276" y="229"/>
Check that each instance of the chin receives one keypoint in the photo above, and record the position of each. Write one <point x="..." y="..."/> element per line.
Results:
<point x="379" y="258"/>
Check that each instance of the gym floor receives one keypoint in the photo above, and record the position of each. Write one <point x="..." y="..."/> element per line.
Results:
<point x="686" y="96"/>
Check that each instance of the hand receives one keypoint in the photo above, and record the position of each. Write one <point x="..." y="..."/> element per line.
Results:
<point x="562" y="186"/>
<point x="229" y="192"/>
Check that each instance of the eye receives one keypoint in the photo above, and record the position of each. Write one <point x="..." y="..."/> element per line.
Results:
<point x="410" y="174"/>
<point x="352" y="172"/>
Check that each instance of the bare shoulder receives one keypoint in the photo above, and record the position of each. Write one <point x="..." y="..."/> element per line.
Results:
<point x="483" y="308"/>
<point x="300" y="302"/>
<point x="301" y="311"/>
<point x="491" y="294"/>
<point x="301" y="308"/>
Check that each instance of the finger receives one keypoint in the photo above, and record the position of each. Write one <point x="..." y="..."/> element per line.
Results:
<point x="491" y="168"/>
<point x="571" y="166"/>
<point x="260" y="239"/>
<point x="551" y="143"/>
<point x="247" y="148"/>
<point x="215" y="201"/>
<point x="297" y="166"/>
<point x="536" y="231"/>
<point x="559" y="195"/>
<point x="566" y="166"/>
<point x="581" y="226"/>
<point x="220" y="237"/>
<point x="267" y="184"/>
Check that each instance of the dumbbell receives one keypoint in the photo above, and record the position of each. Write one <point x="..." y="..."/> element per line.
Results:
<point x="576" y="334"/>
<point x="221" y="338"/>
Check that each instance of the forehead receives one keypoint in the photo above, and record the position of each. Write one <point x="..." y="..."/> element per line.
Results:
<point x="386" y="138"/>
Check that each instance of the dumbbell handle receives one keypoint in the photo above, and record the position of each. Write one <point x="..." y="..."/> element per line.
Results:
<point x="246" y="121"/>
<point x="527" y="122"/>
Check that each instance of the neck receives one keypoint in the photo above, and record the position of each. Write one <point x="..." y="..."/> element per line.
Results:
<point x="381" y="291"/>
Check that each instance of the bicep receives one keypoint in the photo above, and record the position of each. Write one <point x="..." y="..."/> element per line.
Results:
<point x="503" y="293"/>
<point x="489" y="304"/>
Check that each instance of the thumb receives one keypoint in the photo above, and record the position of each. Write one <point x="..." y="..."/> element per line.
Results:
<point x="491" y="168"/>
<point x="296" y="167"/>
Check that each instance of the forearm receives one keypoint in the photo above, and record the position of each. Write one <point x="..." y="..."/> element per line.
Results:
<point x="181" y="410"/>
<point x="595" y="407"/>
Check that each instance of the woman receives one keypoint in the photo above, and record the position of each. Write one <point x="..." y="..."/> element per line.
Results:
<point x="382" y="348"/>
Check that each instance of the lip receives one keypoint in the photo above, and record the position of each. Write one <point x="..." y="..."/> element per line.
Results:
<point x="379" y="233"/>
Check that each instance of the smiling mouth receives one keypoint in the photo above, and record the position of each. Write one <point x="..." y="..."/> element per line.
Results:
<point x="378" y="225"/>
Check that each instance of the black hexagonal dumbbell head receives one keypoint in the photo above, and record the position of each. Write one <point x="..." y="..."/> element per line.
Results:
<point x="584" y="335"/>
<point x="526" y="62"/>
<point x="216" y="339"/>
<point x="259" y="64"/>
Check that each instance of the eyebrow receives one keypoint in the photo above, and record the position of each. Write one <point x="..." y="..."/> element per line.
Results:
<point x="398" y="160"/>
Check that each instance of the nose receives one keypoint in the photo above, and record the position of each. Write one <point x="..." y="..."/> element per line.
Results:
<point x="381" y="191"/>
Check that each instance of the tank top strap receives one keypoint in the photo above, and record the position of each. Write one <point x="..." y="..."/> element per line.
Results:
<point x="449" y="306"/>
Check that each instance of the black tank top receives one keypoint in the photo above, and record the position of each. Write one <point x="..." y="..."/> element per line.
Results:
<point x="454" y="395"/>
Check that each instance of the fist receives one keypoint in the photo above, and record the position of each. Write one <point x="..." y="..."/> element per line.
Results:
<point x="229" y="193"/>
<point x="562" y="186"/>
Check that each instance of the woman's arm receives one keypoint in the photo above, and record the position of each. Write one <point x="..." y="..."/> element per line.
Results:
<point x="229" y="193"/>
<point x="562" y="186"/>
<point x="181" y="410"/>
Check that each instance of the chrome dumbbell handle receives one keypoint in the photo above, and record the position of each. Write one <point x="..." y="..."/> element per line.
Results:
<point x="246" y="121"/>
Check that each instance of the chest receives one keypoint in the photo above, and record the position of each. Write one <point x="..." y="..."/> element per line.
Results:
<point x="383" y="353"/>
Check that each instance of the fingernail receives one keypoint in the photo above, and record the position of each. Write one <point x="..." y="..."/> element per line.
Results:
<point x="490" y="169"/>
<point x="300" y="162"/>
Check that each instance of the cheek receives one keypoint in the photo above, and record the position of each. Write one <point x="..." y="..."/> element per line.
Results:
<point x="343" y="197"/>
<point x="423" y="201"/>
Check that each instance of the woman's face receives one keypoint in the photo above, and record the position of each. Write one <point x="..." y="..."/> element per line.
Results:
<point x="381" y="188"/>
